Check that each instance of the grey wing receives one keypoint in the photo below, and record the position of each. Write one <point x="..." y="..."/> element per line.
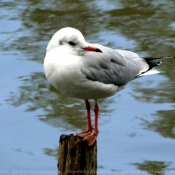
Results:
<point x="110" y="67"/>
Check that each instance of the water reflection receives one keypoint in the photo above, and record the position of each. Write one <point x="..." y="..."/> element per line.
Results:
<point x="60" y="111"/>
<point x="163" y="121"/>
<point x="51" y="152"/>
<point x="154" y="167"/>
<point x="148" y="22"/>
<point x="157" y="93"/>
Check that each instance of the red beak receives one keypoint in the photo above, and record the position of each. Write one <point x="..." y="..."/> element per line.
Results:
<point x="92" y="49"/>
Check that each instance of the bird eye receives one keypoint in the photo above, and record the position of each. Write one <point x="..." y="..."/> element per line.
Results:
<point x="72" y="43"/>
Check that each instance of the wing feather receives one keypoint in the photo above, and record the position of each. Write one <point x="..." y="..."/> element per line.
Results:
<point x="116" y="67"/>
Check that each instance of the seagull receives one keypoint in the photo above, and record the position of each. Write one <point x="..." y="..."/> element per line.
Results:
<point x="91" y="71"/>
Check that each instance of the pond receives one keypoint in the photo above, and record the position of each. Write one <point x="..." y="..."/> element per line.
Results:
<point x="137" y="125"/>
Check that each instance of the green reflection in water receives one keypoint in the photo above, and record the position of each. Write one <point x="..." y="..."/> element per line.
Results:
<point x="163" y="123"/>
<point x="154" y="167"/>
<point x="51" y="152"/>
<point x="60" y="111"/>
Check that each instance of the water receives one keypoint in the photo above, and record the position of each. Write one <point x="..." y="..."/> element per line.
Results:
<point x="137" y="125"/>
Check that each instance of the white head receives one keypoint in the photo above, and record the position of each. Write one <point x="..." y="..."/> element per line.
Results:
<point x="71" y="40"/>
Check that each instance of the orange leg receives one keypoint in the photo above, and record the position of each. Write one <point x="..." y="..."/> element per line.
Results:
<point x="89" y="130"/>
<point x="91" y="138"/>
<point x="96" y="110"/>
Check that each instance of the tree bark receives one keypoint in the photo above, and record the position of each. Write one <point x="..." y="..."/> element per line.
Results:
<point x="76" y="157"/>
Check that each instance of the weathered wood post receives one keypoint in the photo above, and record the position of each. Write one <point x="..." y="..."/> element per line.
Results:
<point x="75" y="157"/>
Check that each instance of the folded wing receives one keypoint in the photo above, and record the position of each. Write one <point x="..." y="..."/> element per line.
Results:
<point x="116" y="67"/>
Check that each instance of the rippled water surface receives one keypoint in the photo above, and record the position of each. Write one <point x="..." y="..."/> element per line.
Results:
<point x="137" y="125"/>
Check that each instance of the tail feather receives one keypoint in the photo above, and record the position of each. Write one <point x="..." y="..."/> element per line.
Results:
<point x="150" y="72"/>
<point x="152" y="59"/>
<point x="153" y="62"/>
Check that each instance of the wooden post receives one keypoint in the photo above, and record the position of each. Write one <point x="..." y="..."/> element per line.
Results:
<point x="75" y="157"/>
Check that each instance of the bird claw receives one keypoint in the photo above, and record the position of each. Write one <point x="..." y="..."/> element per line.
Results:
<point x="84" y="133"/>
<point x="90" y="139"/>
<point x="87" y="136"/>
